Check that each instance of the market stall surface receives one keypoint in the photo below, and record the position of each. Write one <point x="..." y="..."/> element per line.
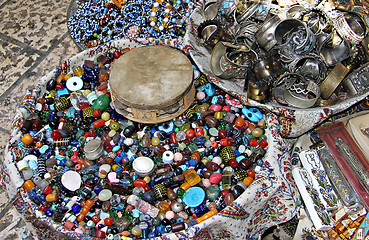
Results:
<point x="33" y="39"/>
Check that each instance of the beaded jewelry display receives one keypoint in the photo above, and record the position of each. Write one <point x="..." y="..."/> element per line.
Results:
<point x="99" y="21"/>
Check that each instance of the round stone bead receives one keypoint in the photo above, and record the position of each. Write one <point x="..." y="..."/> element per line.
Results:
<point x="105" y="195"/>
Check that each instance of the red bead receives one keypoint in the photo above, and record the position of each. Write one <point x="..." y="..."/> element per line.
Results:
<point x="95" y="218"/>
<point x="226" y="142"/>
<point x="43" y="208"/>
<point x="233" y="163"/>
<point x="222" y="133"/>
<point x="47" y="190"/>
<point x="56" y="135"/>
<point x="190" y="133"/>
<point x="92" y="133"/>
<point x="100" y="234"/>
<point x="86" y="135"/>
<point x="251" y="173"/>
<point x="139" y="183"/>
<point x="59" y="87"/>
<point x="147" y="188"/>
<point x="119" y="152"/>
<point x="199" y="131"/>
<point x="263" y="143"/>
<point x="253" y="143"/>
<point x="108" y="221"/>
<point x="173" y="137"/>
<point x="83" y="105"/>
<point x="99" y="123"/>
<point x="226" y="108"/>
<point x="97" y="113"/>
<point x="116" y="54"/>
<point x="224" y="192"/>
<point x="107" y="147"/>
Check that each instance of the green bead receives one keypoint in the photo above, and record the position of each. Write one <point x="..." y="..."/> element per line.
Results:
<point x="263" y="137"/>
<point x="54" y="206"/>
<point x="192" y="147"/>
<point x="80" y="133"/>
<point x="81" y="140"/>
<point x="185" y="127"/>
<point x="181" y="146"/>
<point x="176" y="129"/>
<point x="181" y="192"/>
<point x="102" y="102"/>
<point x="114" y="126"/>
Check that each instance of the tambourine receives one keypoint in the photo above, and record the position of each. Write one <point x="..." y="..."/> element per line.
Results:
<point x="149" y="91"/>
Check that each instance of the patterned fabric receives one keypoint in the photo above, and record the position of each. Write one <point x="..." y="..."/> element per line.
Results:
<point x="270" y="200"/>
<point x="294" y="121"/>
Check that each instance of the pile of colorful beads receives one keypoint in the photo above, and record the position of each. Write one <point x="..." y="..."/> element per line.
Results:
<point x="100" y="21"/>
<point x="101" y="175"/>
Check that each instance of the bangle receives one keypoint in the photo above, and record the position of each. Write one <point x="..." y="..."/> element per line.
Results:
<point x="334" y="78"/>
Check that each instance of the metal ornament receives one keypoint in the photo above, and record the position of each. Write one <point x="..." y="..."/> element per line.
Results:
<point x="231" y="61"/>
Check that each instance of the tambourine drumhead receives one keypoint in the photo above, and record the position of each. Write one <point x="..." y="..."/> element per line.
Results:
<point x="147" y="83"/>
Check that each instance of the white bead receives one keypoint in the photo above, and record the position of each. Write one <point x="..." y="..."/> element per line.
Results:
<point x="166" y="10"/>
<point x="156" y="4"/>
<point x="153" y="14"/>
<point x="161" y="28"/>
<point x="165" y="19"/>
<point x="152" y="24"/>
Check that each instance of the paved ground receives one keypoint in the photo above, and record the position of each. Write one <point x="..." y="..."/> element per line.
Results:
<point x="34" y="39"/>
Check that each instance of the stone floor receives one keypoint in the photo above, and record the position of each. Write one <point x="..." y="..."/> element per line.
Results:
<point x="34" y="39"/>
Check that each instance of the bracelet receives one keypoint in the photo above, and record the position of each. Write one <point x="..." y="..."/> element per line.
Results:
<point x="210" y="32"/>
<point x="334" y="78"/>
<point x="301" y="93"/>
<point x="231" y="64"/>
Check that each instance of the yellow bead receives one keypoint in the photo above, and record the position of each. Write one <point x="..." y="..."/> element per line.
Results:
<point x="114" y="167"/>
<point x="152" y="19"/>
<point x="78" y="71"/>
<point x="147" y="179"/>
<point x="155" y="141"/>
<point x="218" y="115"/>
<point x="105" y="116"/>
<point x="66" y="77"/>
<point x="86" y="92"/>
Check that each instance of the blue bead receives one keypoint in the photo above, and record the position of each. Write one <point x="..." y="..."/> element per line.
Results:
<point x="193" y="162"/>
<point x="76" y="208"/>
<point x="49" y="212"/>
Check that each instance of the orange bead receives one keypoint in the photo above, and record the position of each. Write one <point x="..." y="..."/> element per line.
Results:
<point x="108" y="221"/>
<point x="89" y="203"/>
<point x="85" y="210"/>
<point x="251" y="173"/>
<point x="185" y="186"/>
<point x="196" y="155"/>
<point x="39" y="144"/>
<point x="29" y="185"/>
<point x="51" y="197"/>
<point x="27" y="139"/>
<point x="60" y="78"/>
<point x="239" y="122"/>
<point x="248" y="180"/>
<point x="80" y="217"/>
